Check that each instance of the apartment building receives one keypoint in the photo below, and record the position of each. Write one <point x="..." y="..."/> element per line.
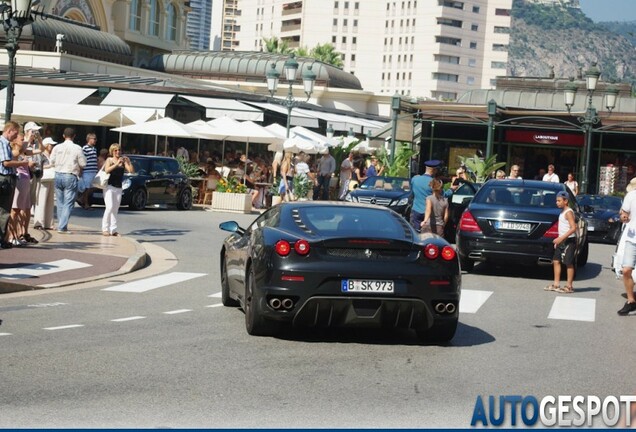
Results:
<point x="419" y="48"/>
<point x="198" y="24"/>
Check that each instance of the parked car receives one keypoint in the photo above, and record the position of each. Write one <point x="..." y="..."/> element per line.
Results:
<point x="457" y="203"/>
<point x="392" y="192"/>
<point x="334" y="264"/>
<point x="515" y="221"/>
<point x="157" y="180"/>
<point x="602" y="215"/>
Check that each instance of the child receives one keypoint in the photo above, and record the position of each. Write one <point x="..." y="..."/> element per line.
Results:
<point x="564" y="246"/>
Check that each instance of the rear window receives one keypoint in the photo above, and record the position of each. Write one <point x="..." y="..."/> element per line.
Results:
<point x="525" y="196"/>
<point x="356" y="221"/>
<point x="142" y="166"/>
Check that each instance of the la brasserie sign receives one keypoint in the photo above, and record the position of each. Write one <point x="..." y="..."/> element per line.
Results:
<point x="550" y="138"/>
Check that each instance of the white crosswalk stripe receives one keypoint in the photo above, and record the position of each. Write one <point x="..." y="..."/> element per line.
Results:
<point x="472" y="300"/>
<point x="215" y="295"/>
<point x="143" y="285"/>
<point x="41" y="269"/>
<point x="573" y="309"/>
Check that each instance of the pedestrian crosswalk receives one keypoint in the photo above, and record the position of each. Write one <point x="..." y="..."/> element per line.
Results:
<point x="41" y="269"/>
<point x="151" y="283"/>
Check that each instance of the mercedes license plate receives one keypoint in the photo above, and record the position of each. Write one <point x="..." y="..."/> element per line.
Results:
<point x="513" y="226"/>
<point x="368" y="286"/>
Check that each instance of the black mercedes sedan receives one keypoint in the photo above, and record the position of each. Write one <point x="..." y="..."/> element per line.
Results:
<point x="602" y="213"/>
<point x="157" y="181"/>
<point x="336" y="264"/>
<point x="515" y="221"/>
<point x="392" y="192"/>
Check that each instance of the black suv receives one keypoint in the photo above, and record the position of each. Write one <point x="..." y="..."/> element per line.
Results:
<point x="157" y="180"/>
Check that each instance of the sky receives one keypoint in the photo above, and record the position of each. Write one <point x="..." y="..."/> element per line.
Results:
<point x="609" y="10"/>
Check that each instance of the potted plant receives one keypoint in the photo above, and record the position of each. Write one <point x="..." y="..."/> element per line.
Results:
<point x="302" y="186"/>
<point x="274" y="192"/>
<point x="231" y="196"/>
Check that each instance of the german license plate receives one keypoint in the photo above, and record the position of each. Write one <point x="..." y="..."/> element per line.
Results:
<point x="513" y="226"/>
<point x="590" y="228"/>
<point x="368" y="286"/>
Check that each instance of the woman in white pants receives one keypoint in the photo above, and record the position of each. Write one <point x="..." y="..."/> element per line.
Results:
<point x="115" y="165"/>
<point x="45" y="191"/>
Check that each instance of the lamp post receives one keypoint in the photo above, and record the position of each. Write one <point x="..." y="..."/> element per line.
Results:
<point x="14" y="17"/>
<point x="590" y="117"/>
<point x="492" y="112"/>
<point x="290" y="68"/>
<point x="395" y="109"/>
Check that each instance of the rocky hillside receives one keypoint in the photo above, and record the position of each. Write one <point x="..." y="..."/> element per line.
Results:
<point x="545" y="37"/>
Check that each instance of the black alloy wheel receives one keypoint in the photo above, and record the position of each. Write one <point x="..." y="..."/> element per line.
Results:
<point x="185" y="199"/>
<point x="255" y="324"/>
<point x="138" y="199"/>
<point x="225" y="286"/>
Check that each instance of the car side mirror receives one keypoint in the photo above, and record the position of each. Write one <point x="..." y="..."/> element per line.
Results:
<point x="231" y="226"/>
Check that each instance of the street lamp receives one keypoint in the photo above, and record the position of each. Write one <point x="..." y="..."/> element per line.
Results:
<point x="395" y="109"/>
<point x="290" y="68"/>
<point x="590" y="117"/>
<point x="14" y="17"/>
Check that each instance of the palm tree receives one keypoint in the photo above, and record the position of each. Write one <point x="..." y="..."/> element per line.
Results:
<point x="275" y="45"/>
<point x="327" y="54"/>
<point x="302" y="52"/>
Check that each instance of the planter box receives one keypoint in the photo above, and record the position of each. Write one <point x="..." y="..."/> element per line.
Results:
<point x="232" y="202"/>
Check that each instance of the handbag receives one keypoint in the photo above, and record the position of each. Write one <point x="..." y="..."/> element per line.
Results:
<point x="48" y="174"/>
<point x="100" y="180"/>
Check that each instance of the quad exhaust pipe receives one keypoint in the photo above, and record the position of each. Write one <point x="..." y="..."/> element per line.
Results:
<point x="277" y="303"/>
<point x="445" y="308"/>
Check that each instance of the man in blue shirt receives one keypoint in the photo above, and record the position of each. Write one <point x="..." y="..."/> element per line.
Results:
<point x="89" y="171"/>
<point x="421" y="188"/>
<point x="372" y="171"/>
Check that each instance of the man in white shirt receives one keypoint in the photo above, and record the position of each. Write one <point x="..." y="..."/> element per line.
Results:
<point x="551" y="176"/>
<point x="68" y="160"/>
<point x="628" y="209"/>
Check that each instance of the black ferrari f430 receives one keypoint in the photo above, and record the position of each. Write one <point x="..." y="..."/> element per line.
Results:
<point x="336" y="264"/>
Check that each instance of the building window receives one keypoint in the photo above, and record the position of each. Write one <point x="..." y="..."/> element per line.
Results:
<point x="135" y="15"/>
<point x="355" y="23"/>
<point x="346" y="5"/>
<point x="473" y="45"/>
<point x="333" y="40"/>
<point x="344" y="39"/>
<point x="470" y="80"/>
<point x="502" y="12"/>
<point x="445" y="77"/>
<point x="356" y="5"/>
<point x="498" y="65"/>
<point x="155" y="18"/>
<point x="474" y="27"/>
<point x="475" y="9"/>
<point x="449" y="22"/>
<point x="441" y="58"/>
<point x="499" y="47"/>
<point x="335" y="5"/>
<point x="451" y="4"/>
<point x="335" y="22"/>
<point x="448" y="40"/>
<point x="345" y="23"/>
<point x="354" y="40"/>
<point x="472" y="63"/>
<point x="171" y="28"/>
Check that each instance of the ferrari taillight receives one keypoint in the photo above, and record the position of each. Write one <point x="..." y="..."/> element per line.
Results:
<point x="448" y="253"/>
<point x="431" y="251"/>
<point x="282" y="247"/>
<point x="301" y="247"/>
<point x="553" y="232"/>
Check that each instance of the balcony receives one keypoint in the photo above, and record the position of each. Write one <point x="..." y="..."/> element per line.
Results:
<point x="289" y="27"/>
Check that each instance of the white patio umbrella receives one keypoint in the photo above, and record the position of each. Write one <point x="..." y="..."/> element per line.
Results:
<point x="166" y="127"/>
<point x="247" y="131"/>
<point x="210" y="131"/>
<point x="295" y="143"/>
<point x="315" y="136"/>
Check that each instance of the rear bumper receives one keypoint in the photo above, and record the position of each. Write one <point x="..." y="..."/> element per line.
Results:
<point x="522" y="252"/>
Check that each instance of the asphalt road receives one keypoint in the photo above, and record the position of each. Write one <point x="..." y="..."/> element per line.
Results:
<point x="171" y="356"/>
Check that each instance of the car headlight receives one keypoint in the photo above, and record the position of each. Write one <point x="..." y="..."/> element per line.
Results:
<point x="126" y="184"/>
<point x="403" y="201"/>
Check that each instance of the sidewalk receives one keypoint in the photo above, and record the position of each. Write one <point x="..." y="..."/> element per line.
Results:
<point x="67" y="259"/>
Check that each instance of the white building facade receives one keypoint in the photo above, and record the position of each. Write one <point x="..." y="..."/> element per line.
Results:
<point x="419" y="48"/>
